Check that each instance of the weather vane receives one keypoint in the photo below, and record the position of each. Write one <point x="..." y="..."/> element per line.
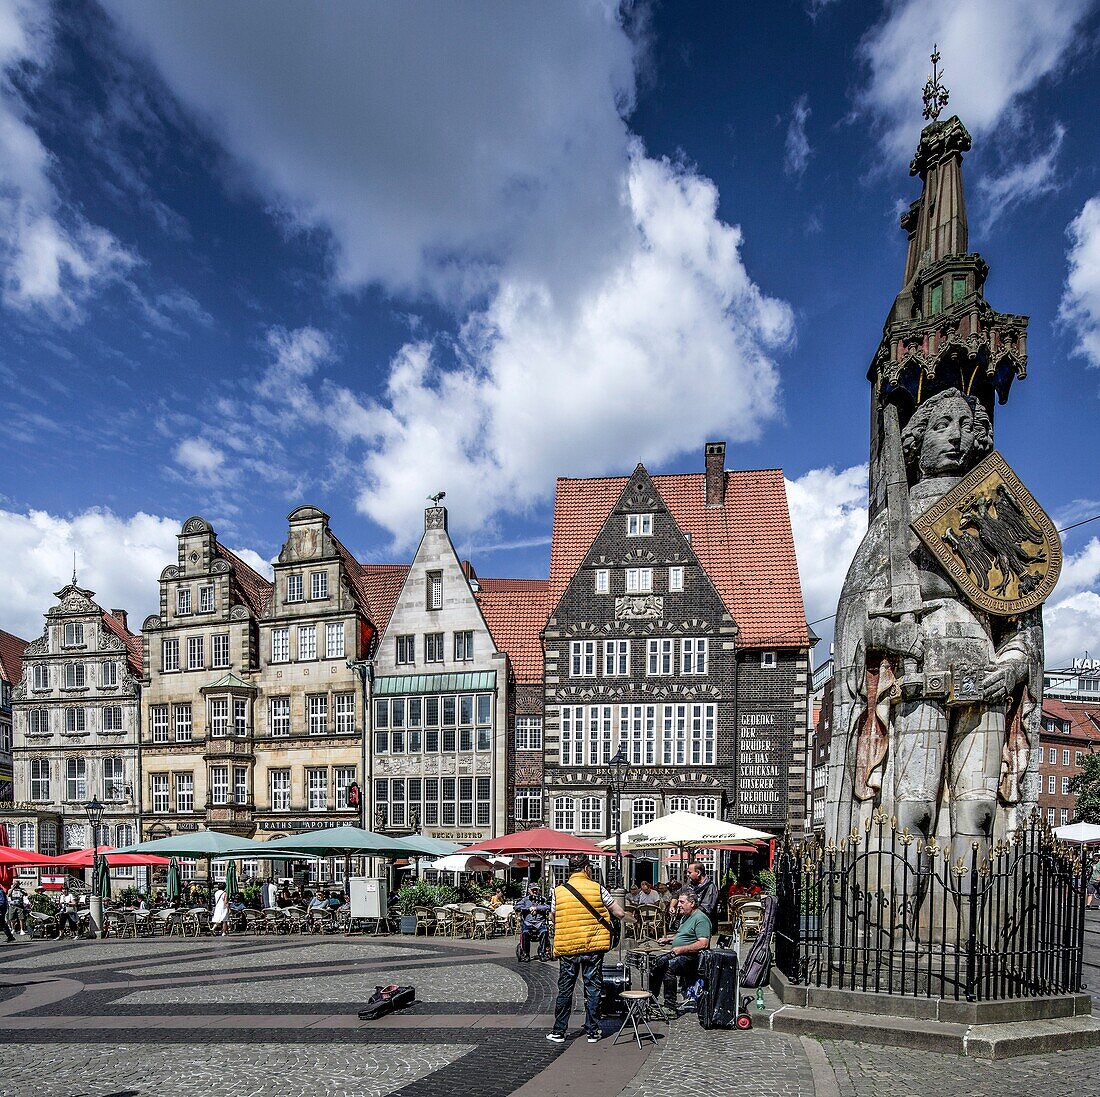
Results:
<point x="935" y="94"/>
<point x="438" y="495"/>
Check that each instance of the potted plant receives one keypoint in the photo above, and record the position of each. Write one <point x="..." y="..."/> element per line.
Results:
<point x="421" y="894"/>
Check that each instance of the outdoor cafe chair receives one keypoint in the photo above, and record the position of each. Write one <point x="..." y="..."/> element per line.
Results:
<point x="253" y="921"/>
<point x="425" y="920"/>
<point x="295" y="919"/>
<point x="197" y="921"/>
<point x="42" y="925"/>
<point x="647" y="924"/>
<point x="482" y="922"/>
<point x="752" y="918"/>
<point x="444" y="922"/>
<point x="462" y="922"/>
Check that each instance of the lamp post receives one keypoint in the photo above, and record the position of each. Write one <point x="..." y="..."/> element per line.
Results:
<point x="616" y="774"/>
<point x="94" y="810"/>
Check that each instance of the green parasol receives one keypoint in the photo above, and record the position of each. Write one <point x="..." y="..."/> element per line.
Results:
<point x="231" y="879"/>
<point x="101" y="878"/>
<point x="174" y="884"/>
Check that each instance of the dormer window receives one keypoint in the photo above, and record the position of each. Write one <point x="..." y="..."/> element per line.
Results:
<point x="73" y="635"/>
<point x="639" y="525"/>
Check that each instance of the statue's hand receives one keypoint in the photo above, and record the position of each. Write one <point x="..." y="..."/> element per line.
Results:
<point x="998" y="684"/>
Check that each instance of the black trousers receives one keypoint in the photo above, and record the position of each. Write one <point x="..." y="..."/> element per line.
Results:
<point x="665" y="970"/>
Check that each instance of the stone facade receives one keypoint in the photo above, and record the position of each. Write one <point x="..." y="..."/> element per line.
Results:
<point x="11" y="670"/>
<point x="199" y="703"/>
<point x="76" y="716"/>
<point x="440" y="704"/>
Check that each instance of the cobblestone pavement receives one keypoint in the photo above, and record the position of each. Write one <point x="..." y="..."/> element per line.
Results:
<point x="265" y="1016"/>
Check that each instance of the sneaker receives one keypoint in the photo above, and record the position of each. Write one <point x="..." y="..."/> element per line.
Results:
<point x="594" y="1037"/>
<point x="556" y="1037"/>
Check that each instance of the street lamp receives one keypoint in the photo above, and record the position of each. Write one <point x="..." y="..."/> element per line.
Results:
<point x="616" y="774"/>
<point x="94" y="810"/>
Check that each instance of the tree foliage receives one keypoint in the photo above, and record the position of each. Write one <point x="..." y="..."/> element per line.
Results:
<point x="1086" y="786"/>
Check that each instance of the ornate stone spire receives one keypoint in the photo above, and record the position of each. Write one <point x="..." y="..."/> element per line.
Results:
<point x="935" y="94"/>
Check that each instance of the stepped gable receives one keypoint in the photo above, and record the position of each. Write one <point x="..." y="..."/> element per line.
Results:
<point x="11" y="657"/>
<point x="745" y="545"/>
<point x="256" y="592"/>
<point x="516" y="611"/>
<point x="132" y="640"/>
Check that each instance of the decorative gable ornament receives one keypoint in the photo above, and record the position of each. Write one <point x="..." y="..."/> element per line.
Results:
<point x="994" y="540"/>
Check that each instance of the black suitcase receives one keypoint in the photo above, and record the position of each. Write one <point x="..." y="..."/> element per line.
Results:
<point x="718" y="1004"/>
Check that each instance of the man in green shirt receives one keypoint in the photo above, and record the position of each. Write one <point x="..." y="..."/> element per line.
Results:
<point x="683" y="961"/>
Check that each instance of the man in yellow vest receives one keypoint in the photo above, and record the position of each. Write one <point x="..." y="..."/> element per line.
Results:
<point x="580" y="911"/>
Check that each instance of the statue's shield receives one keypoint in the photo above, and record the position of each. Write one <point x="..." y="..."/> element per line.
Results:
<point x="994" y="540"/>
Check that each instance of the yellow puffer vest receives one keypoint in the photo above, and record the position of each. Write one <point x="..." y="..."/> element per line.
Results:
<point x="575" y="930"/>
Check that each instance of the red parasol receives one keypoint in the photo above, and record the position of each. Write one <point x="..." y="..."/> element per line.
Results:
<point x="541" y="840"/>
<point x="84" y="858"/>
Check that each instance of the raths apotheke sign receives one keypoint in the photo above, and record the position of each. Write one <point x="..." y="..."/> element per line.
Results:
<point x="763" y="758"/>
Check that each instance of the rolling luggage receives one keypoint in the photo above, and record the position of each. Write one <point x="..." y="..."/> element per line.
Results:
<point x="719" y="1004"/>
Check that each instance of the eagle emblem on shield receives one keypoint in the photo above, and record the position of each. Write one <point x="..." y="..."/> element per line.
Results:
<point x="994" y="540"/>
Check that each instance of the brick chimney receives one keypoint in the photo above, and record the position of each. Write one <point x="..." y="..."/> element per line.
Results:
<point x="120" y="616"/>
<point x="715" y="458"/>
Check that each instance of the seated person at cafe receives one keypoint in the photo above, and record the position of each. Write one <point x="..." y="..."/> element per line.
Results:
<point x="318" y="903"/>
<point x="632" y="894"/>
<point x="683" y="961"/>
<point x="647" y="896"/>
<point x="533" y="909"/>
<point x="496" y="899"/>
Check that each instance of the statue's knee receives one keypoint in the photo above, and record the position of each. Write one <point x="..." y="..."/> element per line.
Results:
<point x="914" y="814"/>
<point x="974" y="816"/>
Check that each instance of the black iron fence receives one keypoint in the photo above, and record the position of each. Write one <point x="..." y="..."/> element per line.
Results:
<point x="885" y="911"/>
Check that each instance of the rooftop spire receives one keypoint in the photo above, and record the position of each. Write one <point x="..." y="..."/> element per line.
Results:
<point x="935" y="94"/>
<point x="74" y="567"/>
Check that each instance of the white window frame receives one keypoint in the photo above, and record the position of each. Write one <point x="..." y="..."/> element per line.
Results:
<point x="639" y="525"/>
<point x="344" y="713"/>
<point x="219" y="649"/>
<point x="185" y="792"/>
<point x="528" y="805"/>
<point x="1065" y="756"/>
<point x="528" y="733"/>
<point x="590" y="814"/>
<point x="76" y="722"/>
<point x="464" y="645"/>
<point x="159" y="723"/>
<point x="111" y="718"/>
<point x="616" y="658"/>
<point x="196" y="652"/>
<point x="40" y="780"/>
<point x="76" y="780"/>
<point x="108" y="673"/>
<point x="295" y="587"/>
<point x="768" y="660"/>
<point x="676" y="578"/>
<point x="602" y="582"/>
<point x="40" y="676"/>
<point x="1052" y="784"/>
<point x="334" y="638"/>
<point x="316" y="788"/>
<point x="280" y="645"/>
<point x="1065" y="786"/>
<point x="158" y="792"/>
<point x="639" y="580"/>
<point x="434" y="581"/>
<point x="307" y="643"/>
<point x="660" y="657"/>
<point x="582" y="658"/>
<point x="318" y="585"/>
<point x="240" y="716"/>
<point x="643" y="810"/>
<point x="170" y="656"/>
<point x="206" y="598"/>
<point x="76" y="677"/>
<point x="694" y="655"/>
<point x="564" y="813"/>
<point x="219" y="786"/>
<point x="317" y="713"/>
<point x="114" y="776"/>
<point x="279" y="717"/>
<point x="72" y="634"/>
<point x="183" y="602"/>
<point x="183" y="723"/>
<point x="404" y="650"/>
<point x="278" y="782"/>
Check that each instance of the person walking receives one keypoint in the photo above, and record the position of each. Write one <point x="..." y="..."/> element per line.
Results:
<point x="219" y="921"/>
<point x="17" y="907"/>
<point x="580" y="911"/>
<point x="4" y="915"/>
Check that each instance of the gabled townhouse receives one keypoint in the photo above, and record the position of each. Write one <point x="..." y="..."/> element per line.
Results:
<point x="199" y="702"/>
<point x="76" y="716"/>
<point x="11" y="670"/>
<point x="677" y="632"/>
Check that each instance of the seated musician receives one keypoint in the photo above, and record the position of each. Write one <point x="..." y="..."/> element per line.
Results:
<point x="683" y="961"/>
<point x="533" y="909"/>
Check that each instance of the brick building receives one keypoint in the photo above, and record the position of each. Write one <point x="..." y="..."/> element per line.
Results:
<point x="1070" y="731"/>
<point x="677" y="630"/>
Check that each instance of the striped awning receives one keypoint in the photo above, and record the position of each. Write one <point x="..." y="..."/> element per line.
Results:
<point x="392" y="685"/>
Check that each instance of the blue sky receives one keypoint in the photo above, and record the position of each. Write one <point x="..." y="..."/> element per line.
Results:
<point x="257" y="255"/>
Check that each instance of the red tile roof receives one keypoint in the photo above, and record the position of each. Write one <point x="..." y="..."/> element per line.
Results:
<point x="11" y="658"/>
<point x="130" y="639"/>
<point x="746" y="546"/>
<point x="515" y="611"/>
<point x="1083" y="716"/>
<point x="254" y="589"/>
<point x="382" y="584"/>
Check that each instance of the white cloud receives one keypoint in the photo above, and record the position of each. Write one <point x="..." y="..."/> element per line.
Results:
<point x="994" y="52"/>
<point x="797" y="145"/>
<point x="51" y="257"/>
<point x="479" y="155"/>
<point x="1023" y="182"/>
<point x="119" y="558"/>
<point x="201" y="458"/>
<point x="1072" y="616"/>
<point x="1080" y="305"/>
<point x="829" y="518"/>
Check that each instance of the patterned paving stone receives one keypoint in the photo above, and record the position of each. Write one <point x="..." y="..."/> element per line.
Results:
<point x="284" y="957"/>
<point x="67" y="1069"/>
<point x="39" y="955"/>
<point x="464" y="983"/>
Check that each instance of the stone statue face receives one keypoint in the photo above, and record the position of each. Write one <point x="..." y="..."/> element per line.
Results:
<point x="949" y="439"/>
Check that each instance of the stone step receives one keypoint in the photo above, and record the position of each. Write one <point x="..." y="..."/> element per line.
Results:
<point x="1000" y="1041"/>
